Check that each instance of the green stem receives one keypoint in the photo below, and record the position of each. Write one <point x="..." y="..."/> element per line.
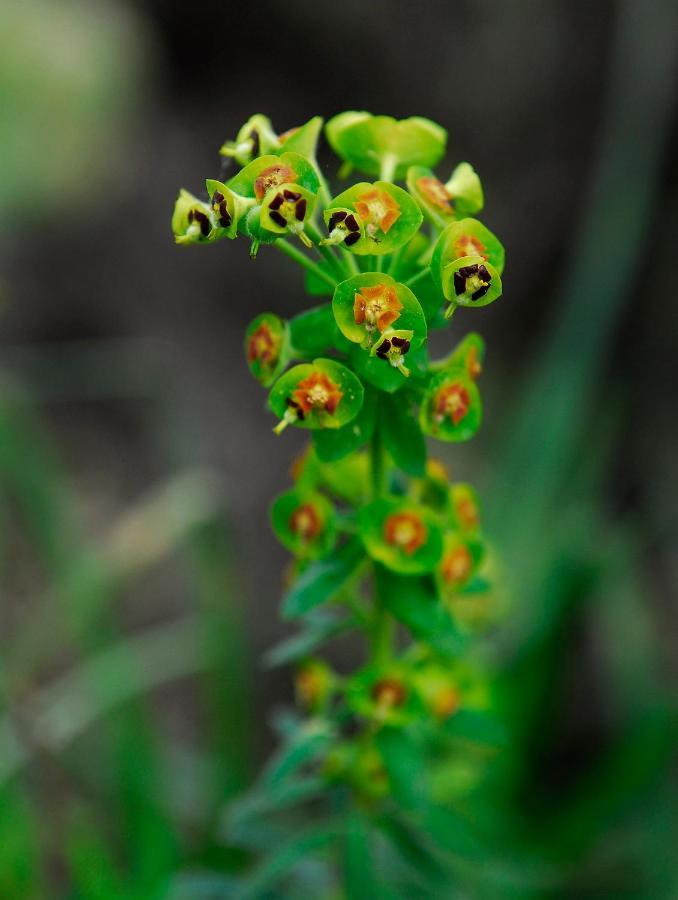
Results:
<point x="327" y="252"/>
<point x="303" y="260"/>
<point x="419" y="275"/>
<point x="384" y="626"/>
<point x="351" y="262"/>
<point x="388" y="167"/>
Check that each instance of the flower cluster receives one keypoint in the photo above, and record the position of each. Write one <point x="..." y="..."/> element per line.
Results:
<point x="383" y="542"/>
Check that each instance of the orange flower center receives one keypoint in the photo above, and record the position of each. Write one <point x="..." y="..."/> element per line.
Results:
<point x="317" y="392"/>
<point x="308" y="686"/>
<point x="405" y="531"/>
<point x="305" y="522"/>
<point x="272" y="177"/>
<point x="262" y="346"/>
<point x="377" y="306"/>
<point x="377" y="209"/>
<point x="452" y="401"/>
<point x="436" y="193"/>
<point x="389" y="692"/>
<point x="457" y="565"/>
<point x="469" y="245"/>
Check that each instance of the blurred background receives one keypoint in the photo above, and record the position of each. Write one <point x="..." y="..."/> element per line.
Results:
<point x="139" y="580"/>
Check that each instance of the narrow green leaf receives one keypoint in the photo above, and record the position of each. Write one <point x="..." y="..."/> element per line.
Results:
<point x="307" y="641"/>
<point x="308" y="743"/>
<point x="322" y="579"/>
<point x="359" y="876"/>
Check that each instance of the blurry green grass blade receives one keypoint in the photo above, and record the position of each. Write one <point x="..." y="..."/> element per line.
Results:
<point x="322" y="579"/>
<point x="307" y="641"/>
<point x="360" y="878"/>
<point x="21" y="873"/>
<point x="556" y="396"/>
<point x="283" y="860"/>
<point x="130" y="668"/>
<point x="226" y="690"/>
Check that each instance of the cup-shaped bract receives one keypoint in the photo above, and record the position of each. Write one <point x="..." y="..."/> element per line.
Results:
<point x="384" y="694"/>
<point x="321" y="394"/>
<point x="193" y="221"/>
<point x="461" y="557"/>
<point x="466" y="190"/>
<point x="228" y="207"/>
<point x="304" y="521"/>
<point x="286" y="209"/>
<point x="268" y="172"/>
<point x="468" y="355"/>
<point x="451" y="409"/>
<point x="366" y="306"/>
<point x="466" y="238"/>
<point x="267" y="347"/>
<point x="434" y="200"/>
<point x="386" y="216"/>
<point x="302" y="139"/>
<point x="384" y="146"/>
<point x="470" y="281"/>
<point x="439" y="688"/>
<point x="464" y="509"/>
<point x="314" y="683"/>
<point x="403" y="536"/>
<point x="255" y="138"/>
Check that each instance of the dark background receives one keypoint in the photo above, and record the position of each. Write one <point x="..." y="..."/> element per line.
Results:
<point x="128" y="349"/>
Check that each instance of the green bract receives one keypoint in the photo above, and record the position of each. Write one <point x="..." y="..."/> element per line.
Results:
<point x="227" y="207"/>
<point x="256" y="137"/>
<point x="431" y="194"/>
<point x="193" y="221"/>
<point x="368" y="305"/>
<point x="287" y="208"/>
<point x="268" y="172"/>
<point x="470" y="281"/>
<point x="403" y="536"/>
<point x="468" y="355"/>
<point x="304" y="521"/>
<point x="466" y="190"/>
<point x="451" y="409"/>
<point x="459" y="562"/>
<point x="381" y="145"/>
<point x="466" y="238"/>
<point x="321" y="394"/>
<point x="267" y="347"/>
<point x="465" y="509"/>
<point x="372" y="218"/>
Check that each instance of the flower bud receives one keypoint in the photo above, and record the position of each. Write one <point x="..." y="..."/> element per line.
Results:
<point x="256" y="137"/>
<point x="313" y="684"/>
<point x="193" y="221"/>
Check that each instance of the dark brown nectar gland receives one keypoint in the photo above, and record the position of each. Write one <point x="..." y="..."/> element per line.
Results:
<point x="196" y="215"/>
<point x="451" y="401"/>
<point x="393" y="349"/>
<point x="272" y="177"/>
<point x="287" y="208"/>
<point x="474" y="280"/>
<point x="343" y="226"/>
<point x="405" y="531"/>
<point x="220" y="207"/>
<point x="436" y="193"/>
<point x="305" y="522"/>
<point x="389" y="693"/>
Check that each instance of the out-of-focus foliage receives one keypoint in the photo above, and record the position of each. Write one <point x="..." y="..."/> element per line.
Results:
<point x="69" y="78"/>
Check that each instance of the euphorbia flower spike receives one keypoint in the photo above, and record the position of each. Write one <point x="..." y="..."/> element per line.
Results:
<point x="378" y="534"/>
